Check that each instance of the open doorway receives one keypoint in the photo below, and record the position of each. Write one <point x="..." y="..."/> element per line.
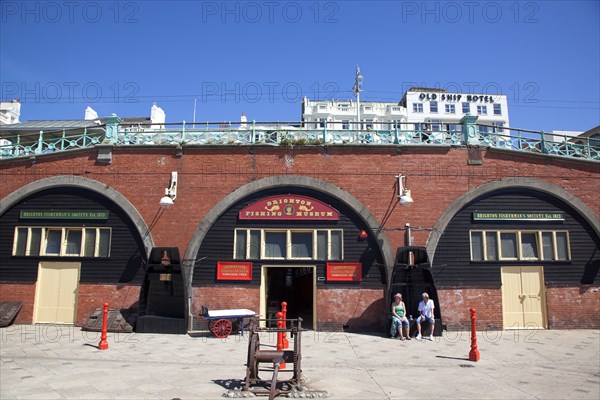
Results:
<point x="294" y="285"/>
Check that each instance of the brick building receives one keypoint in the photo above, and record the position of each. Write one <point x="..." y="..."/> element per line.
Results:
<point x="513" y="232"/>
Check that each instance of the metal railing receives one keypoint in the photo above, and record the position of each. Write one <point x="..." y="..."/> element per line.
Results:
<point x="299" y="133"/>
<point x="44" y="142"/>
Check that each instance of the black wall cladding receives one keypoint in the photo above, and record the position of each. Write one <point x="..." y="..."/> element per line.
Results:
<point x="453" y="268"/>
<point x="127" y="249"/>
<point x="218" y="243"/>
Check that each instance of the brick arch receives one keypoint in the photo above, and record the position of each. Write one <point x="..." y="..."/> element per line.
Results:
<point x="282" y="181"/>
<point x="82" y="183"/>
<point x="509" y="183"/>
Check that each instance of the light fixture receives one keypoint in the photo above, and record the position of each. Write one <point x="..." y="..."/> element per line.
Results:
<point x="170" y="192"/>
<point x="403" y="192"/>
<point x="363" y="234"/>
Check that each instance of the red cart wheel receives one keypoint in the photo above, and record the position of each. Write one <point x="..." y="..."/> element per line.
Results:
<point x="222" y="328"/>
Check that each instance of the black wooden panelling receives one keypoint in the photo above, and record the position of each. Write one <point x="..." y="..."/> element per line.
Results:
<point x="127" y="249"/>
<point x="453" y="268"/>
<point x="218" y="243"/>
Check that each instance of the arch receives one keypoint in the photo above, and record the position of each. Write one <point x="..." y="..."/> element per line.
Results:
<point x="509" y="183"/>
<point x="83" y="183"/>
<point x="277" y="182"/>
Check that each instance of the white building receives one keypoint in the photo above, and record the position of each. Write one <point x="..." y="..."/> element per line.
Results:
<point x="419" y="109"/>
<point x="10" y="112"/>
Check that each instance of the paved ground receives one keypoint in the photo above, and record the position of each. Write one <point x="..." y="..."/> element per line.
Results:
<point x="53" y="362"/>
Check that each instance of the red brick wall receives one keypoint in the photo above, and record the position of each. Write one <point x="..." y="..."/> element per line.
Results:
<point x="436" y="177"/>
<point x="356" y="309"/>
<point x="456" y="303"/>
<point x="92" y="296"/>
<point x="23" y="292"/>
<point x="573" y="307"/>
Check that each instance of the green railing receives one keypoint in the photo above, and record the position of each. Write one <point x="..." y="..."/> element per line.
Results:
<point x="44" y="142"/>
<point x="296" y="133"/>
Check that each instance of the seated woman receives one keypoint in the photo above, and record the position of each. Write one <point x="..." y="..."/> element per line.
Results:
<point x="399" y="319"/>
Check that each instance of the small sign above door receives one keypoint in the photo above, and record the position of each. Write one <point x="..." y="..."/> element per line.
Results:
<point x="344" y="271"/>
<point x="234" y="271"/>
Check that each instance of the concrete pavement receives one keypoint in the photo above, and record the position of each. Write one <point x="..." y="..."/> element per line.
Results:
<point x="60" y="362"/>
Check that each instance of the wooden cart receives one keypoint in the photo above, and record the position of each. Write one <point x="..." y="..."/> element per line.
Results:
<point x="221" y="322"/>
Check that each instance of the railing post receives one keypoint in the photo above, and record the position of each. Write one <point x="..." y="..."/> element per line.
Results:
<point x="62" y="141"/>
<point x="112" y="129"/>
<point x="543" y="143"/>
<point x="396" y="138"/>
<point x="253" y="131"/>
<point x="40" y="141"/>
<point x="325" y="132"/>
<point x="469" y="129"/>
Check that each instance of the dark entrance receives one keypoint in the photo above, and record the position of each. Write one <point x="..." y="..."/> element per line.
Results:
<point x="294" y="285"/>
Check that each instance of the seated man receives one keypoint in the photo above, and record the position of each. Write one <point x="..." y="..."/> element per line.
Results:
<point x="426" y="307"/>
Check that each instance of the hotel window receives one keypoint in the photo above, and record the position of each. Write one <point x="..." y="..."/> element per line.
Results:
<point x="454" y="128"/>
<point x="497" y="109"/>
<point x="291" y="244"/>
<point x="520" y="245"/>
<point x="436" y="125"/>
<point x="369" y="124"/>
<point x="418" y="107"/>
<point x="345" y="124"/>
<point x="322" y="122"/>
<point x="499" y="127"/>
<point x="466" y="108"/>
<point x="433" y="106"/>
<point x="482" y="110"/>
<point x="62" y="242"/>
<point x="450" y="109"/>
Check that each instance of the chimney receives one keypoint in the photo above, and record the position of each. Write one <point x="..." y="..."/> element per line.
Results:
<point x="90" y="113"/>
<point x="157" y="116"/>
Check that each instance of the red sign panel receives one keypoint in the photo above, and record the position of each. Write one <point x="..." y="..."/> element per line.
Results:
<point x="289" y="207"/>
<point x="234" y="271"/>
<point x="347" y="272"/>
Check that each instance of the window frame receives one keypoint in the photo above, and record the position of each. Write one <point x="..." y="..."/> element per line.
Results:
<point x="467" y="105"/>
<point x="288" y="244"/>
<point x="433" y="107"/>
<point x="482" y="109"/>
<point x="519" y="245"/>
<point x="62" y="251"/>
<point x="497" y="109"/>
<point x="450" y="108"/>
<point x="418" y="107"/>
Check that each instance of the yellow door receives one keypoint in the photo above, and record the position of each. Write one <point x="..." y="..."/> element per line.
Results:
<point x="512" y="306"/>
<point x="523" y="297"/>
<point x="56" y="292"/>
<point x="533" y="297"/>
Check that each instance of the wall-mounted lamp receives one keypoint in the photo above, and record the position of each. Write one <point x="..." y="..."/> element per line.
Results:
<point x="170" y="192"/>
<point x="363" y="234"/>
<point x="403" y="192"/>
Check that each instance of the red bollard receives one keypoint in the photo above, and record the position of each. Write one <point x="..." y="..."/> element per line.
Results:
<point x="103" y="345"/>
<point x="474" y="353"/>
<point x="284" y="339"/>
<point x="280" y="336"/>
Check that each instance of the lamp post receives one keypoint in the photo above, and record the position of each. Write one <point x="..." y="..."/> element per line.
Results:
<point x="357" y="89"/>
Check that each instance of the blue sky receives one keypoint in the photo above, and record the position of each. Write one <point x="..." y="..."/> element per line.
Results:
<point x="261" y="57"/>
